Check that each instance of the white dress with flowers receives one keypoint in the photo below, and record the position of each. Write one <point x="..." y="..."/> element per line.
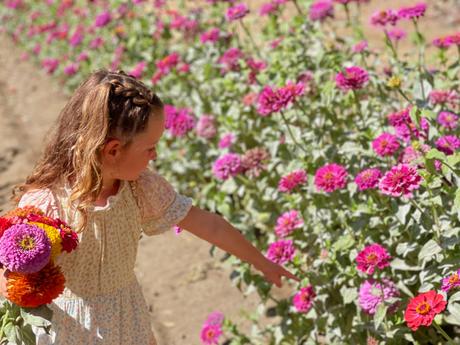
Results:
<point x="103" y="302"/>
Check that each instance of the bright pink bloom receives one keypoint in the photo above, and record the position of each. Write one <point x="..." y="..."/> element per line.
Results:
<point x="331" y="177"/>
<point x="215" y="318"/>
<point x="226" y="166"/>
<point x="206" y="127"/>
<point x="230" y="59"/>
<point x="71" y="69"/>
<point x="77" y="36"/>
<point x="96" y="43"/>
<point x="138" y="70"/>
<point x="50" y="65"/>
<point x="385" y="144"/>
<point x="226" y="140"/>
<point x="281" y="251"/>
<point x="396" y="34"/>
<point x="360" y="47"/>
<point x="368" y="179"/>
<point x="412" y="11"/>
<point x="102" y="19"/>
<point x="401" y="180"/>
<point x="168" y="62"/>
<point x="212" y="35"/>
<point x="372" y="257"/>
<point x="236" y="12"/>
<point x="422" y="309"/>
<point x="373" y="293"/>
<point x="83" y="56"/>
<point x="178" y="121"/>
<point x="321" y="9"/>
<point x="444" y="97"/>
<point x="410" y="154"/>
<point x="273" y="100"/>
<point x="442" y="42"/>
<point x="290" y="181"/>
<point x="451" y="281"/>
<point x="303" y="300"/>
<point x="448" y="144"/>
<point x="353" y="78"/>
<point x="384" y="17"/>
<point x="287" y="223"/>
<point x="210" y="334"/>
<point x="448" y="120"/>
<point x="399" y="118"/>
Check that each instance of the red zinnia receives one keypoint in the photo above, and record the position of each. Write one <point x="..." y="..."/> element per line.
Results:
<point x="4" y="224"/>
<point x="422" y="309"/>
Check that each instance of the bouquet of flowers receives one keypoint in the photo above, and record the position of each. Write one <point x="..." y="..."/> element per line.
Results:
<point x="30" y="242"/>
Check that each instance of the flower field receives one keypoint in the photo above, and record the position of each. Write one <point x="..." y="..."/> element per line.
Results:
<point x="337" y="157"/>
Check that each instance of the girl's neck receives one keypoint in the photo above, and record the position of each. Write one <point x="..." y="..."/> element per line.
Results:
<point x="109" y="188"/>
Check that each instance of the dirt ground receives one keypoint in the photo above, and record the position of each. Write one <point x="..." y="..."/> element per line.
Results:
<point x="181" y="282"/>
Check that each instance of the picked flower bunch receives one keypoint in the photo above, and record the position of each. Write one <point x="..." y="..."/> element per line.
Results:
<point x="30" y="242"/>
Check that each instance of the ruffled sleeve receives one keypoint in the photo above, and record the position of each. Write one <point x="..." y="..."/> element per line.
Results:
<point x="44" y="199"/>
<point x="161" y="207"/>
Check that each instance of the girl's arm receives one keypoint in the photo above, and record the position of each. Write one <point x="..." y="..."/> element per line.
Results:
<point x="216" y="230"/>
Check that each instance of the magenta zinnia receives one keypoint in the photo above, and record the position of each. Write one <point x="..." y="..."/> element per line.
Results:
<point x="331" y="177"/>
<point x="448" y="144"/>
<point x="24" y="248"/>
<point x="273" y="100"/>
<point x="178" y="121"/>
<point x="384" y="18"/>
<point x="226" y="166"/>
<point x="321" y="9"/>
<point x="448" y="120"/>
<point x="236" y="12"/>
<point x="352" y="78"/>
<point x="290" y="181"/>
<point x="373" y="293"/>
<point x="368" y="179"/>
<point x="412" y="12"/>
<point x="451" y="281"/>
<point x="372" y="257"/>
<point x="303" y="300"/>
<point x="401" y="180"/>
<point x="281" y="251"/>
<point x="287" y="223"/>
<point x="385" y="144"/>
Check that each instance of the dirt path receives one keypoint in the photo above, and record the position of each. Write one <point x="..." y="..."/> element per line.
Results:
<point x="181" y="282"/>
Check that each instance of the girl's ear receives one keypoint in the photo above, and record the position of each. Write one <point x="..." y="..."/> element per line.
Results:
<point x="112" y="149"/>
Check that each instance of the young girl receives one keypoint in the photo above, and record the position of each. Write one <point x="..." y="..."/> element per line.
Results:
<point x="94" y="175"/>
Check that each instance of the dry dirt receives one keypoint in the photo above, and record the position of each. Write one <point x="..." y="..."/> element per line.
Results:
<point x="182" y="283"/>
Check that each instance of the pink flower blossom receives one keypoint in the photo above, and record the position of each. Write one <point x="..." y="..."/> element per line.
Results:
<point x="226" y="166"/>
<point x="287" y="223"/>
<point x="227" y="140"/>
<point x="178" y="121"/>
<point x="77" y="36"/>
<point x="273" y="100"/>
<point x="102" y="19"/>
<point x="385" y="144"/>
<point x="212" y="35"/>
<point x="210" y="334"/>
<point x="268" y="8"/>
<point x="384" y="18"/>
<point x="373" y="293"/>
<point x="138" y="70"/>
<point x="96" y="43"/>
<point x="290" y="181"/>
<point x="281" y="251"/>
<point x="320" y="10"/>
<point x="303" y="300"/>
<point x="401" y="180"/>
<point x="448" y="120"/>
<point x="83" y="56"/>
<point x="230" y="59"/>
<point x="448" y="144"/>
<point x="399" y="118"/>
<point x="444" y="97"/>
<point x="413" y="11"/>
<point x="372" y="257"/>
<point x="368" y="179"/>
<point x="442" y="42"/>
<point x="331" y="177"/>
<point x="353" y="78"/>
<point x="206" y="127"/>
<point x="215" y="318"/>
<point x="451" y="282"/>
<point x="396" y="34"/>
<point x="360" y="47"/>
<point x="50" y="65"/>
<point x="236" y="12"/>
<point x="168" y="62"/>
<point x="71" y="69"/>
<point x="410" y="155"/>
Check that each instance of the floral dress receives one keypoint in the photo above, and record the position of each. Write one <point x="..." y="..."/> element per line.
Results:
<point x="103" y="303"/>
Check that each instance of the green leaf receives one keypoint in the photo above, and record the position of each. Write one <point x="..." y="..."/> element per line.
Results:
<point x="454" y="317"/>
<point x="28" y="335"/>
<point x="430" y="249"/>
<point x="402" y="213"/>
<point x="40" y="317"/>
<point x="435" y="154"/>
<point x="401" y="265"/>
<point x="348" y="294"/>
<point x="344" y="243"/>
<point x="455" y="297"/>
<point x="380" y="315"/>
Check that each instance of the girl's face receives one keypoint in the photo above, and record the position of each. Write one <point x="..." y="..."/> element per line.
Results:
<point x="127" y="163"/>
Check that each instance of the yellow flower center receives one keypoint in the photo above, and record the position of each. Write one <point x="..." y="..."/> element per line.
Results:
<point x="423" y="308"/>
<point x="27" y="243"/>
<point x="372" y="258"/>
<point x="453" y="278"/>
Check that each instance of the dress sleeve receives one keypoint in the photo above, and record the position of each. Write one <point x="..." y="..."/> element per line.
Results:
<point x="43" y="199"/>
<point x="161" y="207"/>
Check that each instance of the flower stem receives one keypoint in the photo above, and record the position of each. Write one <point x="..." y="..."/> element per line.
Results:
<point x="291" y="134"/>
<point x="358" y="108"/>
<point x="401" y="92"/>
<point x="443" y="333"/>
<point x="250" y="38"/>
<point x="421" y="53"/>
<point x="297" y="7"/>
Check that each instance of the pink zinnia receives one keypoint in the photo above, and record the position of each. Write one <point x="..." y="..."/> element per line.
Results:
<point x="290" y="181"/>
<point x="215" y="318"/>
<point x="287" y="223"/>
<point x="273" y="100"/>
<point x="360" y="47"/>
<point x="138" y="70"/>
<point x="384" y="17"/>
<point x="281" y="251"/>
<point x="230" y="59"/>
<point x="210" y="334"/>
<point x="50" y="65"/>
<point x="448" y="144"/>
<point x="178" y="121"/>
<point x="321" y="9"/>
<point x="237" y="12"/>
<point x="331" y="177"/>
<point x="443" y="97"/>
<point x="373" y="293"/>
<point x="385" y="144"/>
<point x="442" y="42"/>
<point x="212" y="35"/>
<point x="401" y="180"/>
<point x="226" y="166"/>
<point x="396" y="34"/>
<point x="303" y="300"/>
<point x="226" y="140"/>
<point x="103" y="19"/>
<point x="352" y="78"/>
<point x="368" y="179"/>
<point x="399" y="118"/>
<point x="451" y="282"/>
<point x="168" y="62"/>
<point x="448" y="120"/>
<point x="372" y="257"/>
<point x="71" y="69"/>
<point x="413" y="11"/>
<point x="206" y="127"/>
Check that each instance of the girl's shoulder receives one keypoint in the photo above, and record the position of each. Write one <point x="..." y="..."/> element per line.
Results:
<point x="43" y="198"/>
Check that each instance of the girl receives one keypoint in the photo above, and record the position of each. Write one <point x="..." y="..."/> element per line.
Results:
<point x="94" y="175"/>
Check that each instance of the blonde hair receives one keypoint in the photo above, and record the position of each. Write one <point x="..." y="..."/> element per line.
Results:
<point x="105" y="105"/>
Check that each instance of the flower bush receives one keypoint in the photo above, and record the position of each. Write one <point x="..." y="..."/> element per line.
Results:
<point x="335" y="157"/>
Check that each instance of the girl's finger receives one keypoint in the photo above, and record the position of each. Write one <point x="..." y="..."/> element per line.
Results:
<point x="290" y="275"/>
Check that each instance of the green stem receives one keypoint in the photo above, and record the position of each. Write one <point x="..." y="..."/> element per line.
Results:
<point x="291" y="134"/>
<point x="443" y="333"/>
<point x="417" y="206"/>
<point x="250" y="38"/>
<point x="404" y="95"/>
<point x="358" y="108"/>
<point x="297" y="7"/>
<point x="421" y="52"/>
<point x="435" y="216"/>
<point x="5" y="321"/>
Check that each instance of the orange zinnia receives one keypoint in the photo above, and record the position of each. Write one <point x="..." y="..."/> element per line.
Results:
<point x="35" y="289"/>
<point x="22" y="212"/>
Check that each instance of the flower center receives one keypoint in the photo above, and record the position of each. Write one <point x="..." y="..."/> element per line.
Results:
<point x="453" y="278"/>
<point x="27" y="243"/>
<point x="371" y="258"/>
<point x="329" y="175"/>
<point x="423" y="308"/>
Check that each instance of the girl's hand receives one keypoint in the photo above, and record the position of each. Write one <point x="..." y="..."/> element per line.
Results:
<point x="273" y="272"/>
<point x="3" y="276"/>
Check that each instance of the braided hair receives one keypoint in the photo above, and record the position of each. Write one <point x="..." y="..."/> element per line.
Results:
<point x="106" y="105"/>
